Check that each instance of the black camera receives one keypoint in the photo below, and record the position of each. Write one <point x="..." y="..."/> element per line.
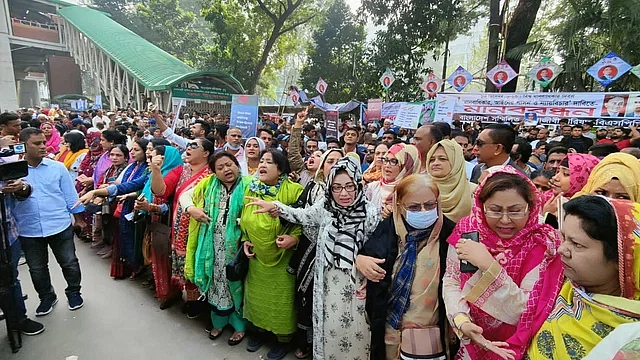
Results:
<point x="13" y="170"/>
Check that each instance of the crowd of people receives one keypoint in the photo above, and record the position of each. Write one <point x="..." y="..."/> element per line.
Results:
<point x="451" y="241"/>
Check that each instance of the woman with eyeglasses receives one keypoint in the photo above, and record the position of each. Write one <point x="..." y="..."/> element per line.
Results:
<point x="500" y="289"/>
<point x="172" y="186"/>
<point x="446" y="165"/>
<point x="404" y="262"/>
<point x="374" y="171"/>
<point x="400" y="161"/>
<point x="346" y="221"/>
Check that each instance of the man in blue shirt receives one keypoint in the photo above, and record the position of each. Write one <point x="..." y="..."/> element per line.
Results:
<point x="43" y="221"/>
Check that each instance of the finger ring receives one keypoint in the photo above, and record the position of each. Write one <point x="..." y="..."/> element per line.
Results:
<point x="463" y="240"/>
<point x="484" y="346"/>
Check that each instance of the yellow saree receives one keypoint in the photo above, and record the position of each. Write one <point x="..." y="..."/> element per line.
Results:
<point x="580" y="320"/>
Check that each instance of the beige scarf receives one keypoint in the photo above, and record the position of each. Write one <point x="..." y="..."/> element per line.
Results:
<point x="455" y="189"/>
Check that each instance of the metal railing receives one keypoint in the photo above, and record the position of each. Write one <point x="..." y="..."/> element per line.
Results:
<point x="35" y="24"/>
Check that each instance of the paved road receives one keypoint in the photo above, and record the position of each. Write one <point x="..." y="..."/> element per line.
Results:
<point x="119" y="320"/>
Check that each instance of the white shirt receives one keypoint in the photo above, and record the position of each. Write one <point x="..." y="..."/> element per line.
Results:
<point x="104" y="119"/>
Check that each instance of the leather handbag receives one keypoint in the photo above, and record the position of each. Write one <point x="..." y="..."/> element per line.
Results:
<point x="160" y="238"/>
<point x="238" y="267"/>
<point x="422" y="344"/>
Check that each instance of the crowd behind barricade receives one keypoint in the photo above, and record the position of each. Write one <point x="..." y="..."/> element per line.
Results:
<point x="465" y="241"/>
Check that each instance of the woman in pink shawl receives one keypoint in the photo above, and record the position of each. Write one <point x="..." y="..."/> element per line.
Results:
<point x="571" y="177"/>
<point x="497" y="308"/>
<point x="53" y="138"/>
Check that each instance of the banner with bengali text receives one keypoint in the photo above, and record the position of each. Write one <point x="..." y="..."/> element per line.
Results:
<point x="604" y="109"/>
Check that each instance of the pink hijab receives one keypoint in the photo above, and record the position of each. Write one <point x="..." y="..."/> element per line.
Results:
<point x="580" y="167"/>
<point x="536" y="244"/>
<point x="53" y="142"/>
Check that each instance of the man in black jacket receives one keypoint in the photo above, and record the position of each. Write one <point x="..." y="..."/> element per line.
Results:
<point x="577" y="141"/>
<point x="493" y="148"/>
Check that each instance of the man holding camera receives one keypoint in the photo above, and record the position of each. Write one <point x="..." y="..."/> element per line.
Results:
<point x="43" y="221"/>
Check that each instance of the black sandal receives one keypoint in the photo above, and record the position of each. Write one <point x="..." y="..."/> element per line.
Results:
<point x="232" y="342"/>
<point x="213" y="337"/>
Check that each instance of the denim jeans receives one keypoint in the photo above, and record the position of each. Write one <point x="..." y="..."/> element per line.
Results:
<point x="37" y="253"/>
<point x="17" y="289"/>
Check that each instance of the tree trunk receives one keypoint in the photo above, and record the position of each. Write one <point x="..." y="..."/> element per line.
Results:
<point x="264" y="58"/>
<point x="446" y="60"/>
<point x="494" y="42"/>
<point x="518" y="31"/>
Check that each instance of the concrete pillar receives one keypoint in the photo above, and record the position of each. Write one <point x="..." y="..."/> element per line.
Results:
<point x="8" y="94"/>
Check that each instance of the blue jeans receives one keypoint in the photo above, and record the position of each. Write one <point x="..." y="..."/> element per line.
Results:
<point x="36" y="250"/>
<point x="17" y="289"/>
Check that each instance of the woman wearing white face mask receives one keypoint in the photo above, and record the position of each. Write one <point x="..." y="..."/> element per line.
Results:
<point x="404" y="262"/>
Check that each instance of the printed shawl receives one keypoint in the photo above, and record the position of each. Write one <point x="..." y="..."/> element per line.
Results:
<point x="534" y="245"/>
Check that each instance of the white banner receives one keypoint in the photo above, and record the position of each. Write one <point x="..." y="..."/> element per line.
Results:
<point x="606" y="109"/>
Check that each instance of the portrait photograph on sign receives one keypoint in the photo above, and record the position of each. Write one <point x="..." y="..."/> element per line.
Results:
<point x="544" y="72"/>
<point x="633" y="107"/>
<point x="459" y="79"/>
<point x="501" y="74"/>
<point x="614" y="105"/>
<point x="609" y="69"/>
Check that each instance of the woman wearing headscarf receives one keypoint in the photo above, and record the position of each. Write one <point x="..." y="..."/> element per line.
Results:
<point x="617" y="176"/>
<point x="346" y="220"/>
<point x="302" y="263"/>
<point x="73" y="153"/>
<point x="496" y="306"/>
<point x="400" y="161"/>
<point x="214" y="239"/>
<point x="374" y="171"/>
<point x="172" y="186"/>
<point x="53" y="138"/>
<point x="446" y="165"/>
<point x="268" y="242"/>
<point x="252" y="149"/>
<point x="571" y="177"/>
<point x="404" y="262"/>
<point x="84" y="181"/>
<point x="602" y="287"/>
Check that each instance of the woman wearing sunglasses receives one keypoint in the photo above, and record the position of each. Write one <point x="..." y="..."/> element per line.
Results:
<point x="400" y="161"/>
<point x="499" y="290"/>
<point x="172" y="186"/>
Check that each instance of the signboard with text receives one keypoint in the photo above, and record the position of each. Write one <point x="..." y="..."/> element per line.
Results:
<point x="331" y="123"/>
<point x="244" y="114"/>
<point x="606" y="109"/>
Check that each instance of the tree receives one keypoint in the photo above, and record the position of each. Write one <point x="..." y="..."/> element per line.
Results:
<point x="161" y="22"/>
<point x="177" y="34"/>
<point x="245" y="28"/>
<point x="414" y="29"/>
<point x="588" y="30"/>
<point x="337" y="48"/>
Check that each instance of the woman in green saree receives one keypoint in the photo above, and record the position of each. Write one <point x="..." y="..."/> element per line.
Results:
<point x="214" y="205"/>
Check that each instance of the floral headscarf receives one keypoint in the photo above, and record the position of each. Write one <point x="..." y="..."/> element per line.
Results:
<point x="580" y="166"/>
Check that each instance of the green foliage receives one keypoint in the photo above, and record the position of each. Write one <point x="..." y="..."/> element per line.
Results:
<point x="161" y="22"/>
<point x="414" y="30"/>
<point x="336" y="51"/>
<point x="588" y="30"/>
<point x="252" y="37"/>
